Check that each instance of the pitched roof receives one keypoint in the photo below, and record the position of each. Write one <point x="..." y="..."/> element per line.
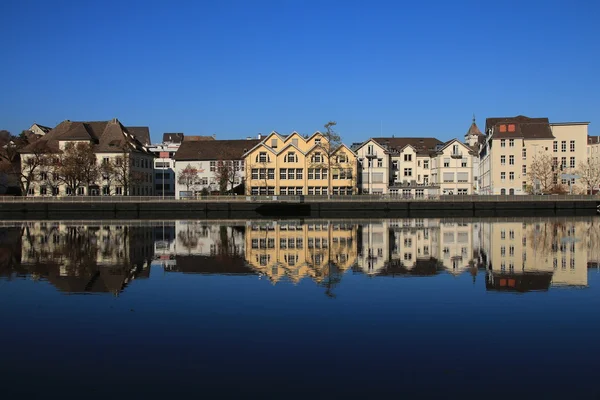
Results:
<point x="105" y="136"/>
<point x="525" y="127"/>
<point x="214" y="149"/>
<point x="197" y="138"/>
<point x="173" y="137"/>
<point x="141" y="133"/>
<point x="422" y="145"/>
<point x="593" y="139"/>
<point x="473" y="129"/>
<point x="44" y="129"/>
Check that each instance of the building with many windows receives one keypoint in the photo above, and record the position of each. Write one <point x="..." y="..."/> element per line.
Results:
<point x="513" y="144"/>
<point x="419" y="166"/>
<point x="198" y="162"/>
<point x="298" y="165"/>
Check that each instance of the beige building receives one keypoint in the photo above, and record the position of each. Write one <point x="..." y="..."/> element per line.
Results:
<point x="537" y="254"/>
<point x="111" y="142"/>
<point x="297" y="165"/>
<point x="419" y="166"/>
<point x="293" y="251"/>
<point x="511" y="144"/>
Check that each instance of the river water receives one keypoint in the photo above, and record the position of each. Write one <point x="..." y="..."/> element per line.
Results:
<point x="408" y="308"/>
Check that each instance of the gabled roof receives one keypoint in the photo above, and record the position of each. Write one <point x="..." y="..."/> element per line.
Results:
<point x="525" y="127"/>
<point x="214" y="150"/>
<point x="105" y="136"/>
<point x="422" y="145"/>
<point x="452" y="141"/>
<point x="370" y="140"/>
<point x="44" y="129"/>
<point x="141" y="133"/>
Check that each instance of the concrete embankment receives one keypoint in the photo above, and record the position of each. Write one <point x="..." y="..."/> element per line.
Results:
<point x="325" y="209"/>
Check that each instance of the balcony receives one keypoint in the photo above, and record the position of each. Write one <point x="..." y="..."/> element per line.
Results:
<point x="456" y="154"/>
<point x="371" y="155"/>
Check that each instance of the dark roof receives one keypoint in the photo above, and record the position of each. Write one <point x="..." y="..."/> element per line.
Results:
<point x="423" y="145"/>
<point x="173" y="137"/>
<point x="106" y="137"/>
<point x="197" y="138"/>
<point x="221" y="265"/>
<point x="141" y="133"/>
<point x="525" y="127"/>
<point x="214" y="149"/>
<point x="593" y="139"/>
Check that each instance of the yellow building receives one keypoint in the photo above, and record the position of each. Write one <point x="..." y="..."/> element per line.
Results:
<point x="297" y="165"/>
<point x="295" y="251"/>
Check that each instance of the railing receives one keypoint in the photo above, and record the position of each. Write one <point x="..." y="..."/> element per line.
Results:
<point x="298" y="198"/>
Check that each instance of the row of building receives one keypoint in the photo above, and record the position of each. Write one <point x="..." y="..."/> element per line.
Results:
<point x="496" y="161"/>
<point x="105" y="256"/>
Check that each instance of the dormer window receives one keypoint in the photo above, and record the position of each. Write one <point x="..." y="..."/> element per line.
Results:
<point x="502" y="128"/>
<point x="511" y="127"/>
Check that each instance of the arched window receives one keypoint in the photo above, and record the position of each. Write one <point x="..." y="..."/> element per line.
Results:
<point x="511" y="192"/>
<point x="503" y="191"/>
<point x="290" y="157"/>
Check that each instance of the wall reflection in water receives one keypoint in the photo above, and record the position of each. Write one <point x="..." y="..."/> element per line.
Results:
<point x="105" y="256"/>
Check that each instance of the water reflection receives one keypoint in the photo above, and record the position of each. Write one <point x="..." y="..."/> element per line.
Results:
<point x="105" y="256"/>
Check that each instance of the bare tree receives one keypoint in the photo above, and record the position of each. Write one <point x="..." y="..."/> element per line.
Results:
<point x="124" y="175"/>
<point x="76" y="167"/>
<point x="226" y="176"/>
<point x="542" y="172"/>
<point x="108" y="172"/>
<point x="589" y="173"/>
<point x="188" y="177"/>
<point x="331" y="144"/>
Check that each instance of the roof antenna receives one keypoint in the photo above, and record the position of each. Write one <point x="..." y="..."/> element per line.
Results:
<point x="473" y="117"/>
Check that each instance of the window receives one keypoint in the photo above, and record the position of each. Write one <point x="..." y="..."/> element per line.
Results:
<point x="563" y="162"/>
<point x="370" y="149"/>
<point x="511" y="143"/>
<point x="462" y="177"/>
<point x="563" y="146"/>
<point x="317" y="173"/>
<point x="43" y="190"/>
<point x="524" y="170"/>
<point x="572" y="145"/>
<point x="524" y="186"/>
<point x="502" y="142"/>
<point x="511" y="160"/>
<point x="119" y="190"/>
<point x="262" y="157"/>
<point x="555" y="146"/>
<point x="80" y="191"/>
<point x="213" y="166"/>
<point x="274" y="143"/>
<point x="295" y="142"/>
<point x="448" y="177"/>
<point x="426" y="164"/>
<point x="511" y="176"/>
<point x="502" y="160"/>
<point x="342" y="158"/>
<point x="254" y="173"/>
<point x="282" y="173"/>
<point x="290" y="157"/>
<point x="324" y="173"/>
<point x="311" y="173"/>
<point x="502" y="176"/>
<point x="291" y="173"/>
<point x="271" y="173"/>
<point x="43" y="176"/>
<point x="463" y="164"/>
<point x="408" y="157"/>
<point x="511" y="127"/>
<point x="379" y="162"/>
<point x="105" y="160"/>
<point x="298" y="173"/>
<point x="502" y="128"/>
<point x="572" y="162"/>
<point x="318" y="141"/>
<point x="446" y="162"/>
<point x="524" y="153"/>
<point x="316" y="158"/>
<point x="407" y="171"/>
<point x="395" y="164"/>
<point x="106" y="192"/>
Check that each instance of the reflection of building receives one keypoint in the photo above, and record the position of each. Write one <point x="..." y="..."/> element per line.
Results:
<point x="294" y="250"/>
<point x="86" y="257"/>
<point x="534" y="255"/>
<point x="403" y="245"/>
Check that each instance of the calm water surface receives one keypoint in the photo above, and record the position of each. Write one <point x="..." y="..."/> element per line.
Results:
<point x="413" y="308"/>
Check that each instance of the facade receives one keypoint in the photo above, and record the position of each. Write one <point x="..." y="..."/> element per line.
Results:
<point x="535" y="255"/>
<point x="419" y="166"/>
<point x="317" y="250"/>
<point x="111" y="142"/>
<point x="593" y="154"/>
<point x="297" y="165"/>
<point x="512" y="144"/>
<point x="205" y="157"/>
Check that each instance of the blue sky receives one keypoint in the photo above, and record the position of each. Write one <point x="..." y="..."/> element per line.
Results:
<point x="235" y="68"/>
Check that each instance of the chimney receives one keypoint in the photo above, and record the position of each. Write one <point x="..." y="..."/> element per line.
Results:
<point x="259" y="136"/>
